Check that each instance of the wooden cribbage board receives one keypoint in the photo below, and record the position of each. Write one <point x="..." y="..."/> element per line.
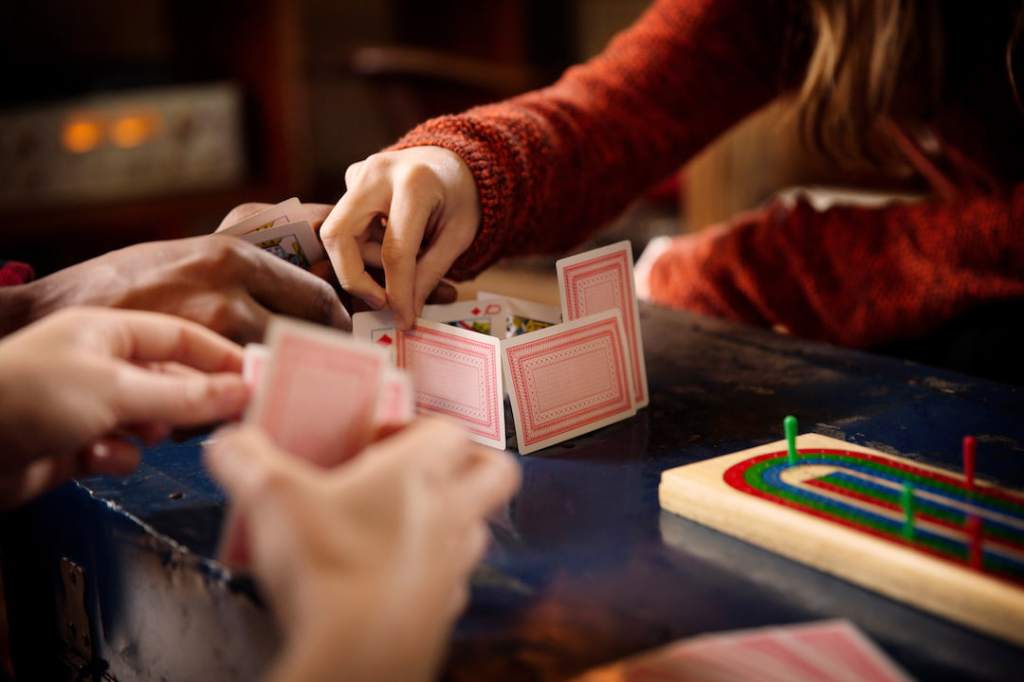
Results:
<point x="838" y="509"/>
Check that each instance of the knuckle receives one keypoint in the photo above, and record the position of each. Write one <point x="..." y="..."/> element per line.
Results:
<point x="417" y="176"/>
<point x="242" y="211"/>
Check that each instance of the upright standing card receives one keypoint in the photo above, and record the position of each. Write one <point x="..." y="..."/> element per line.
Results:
<point x="288" y="211"/>
<point x="319" y="392"/>
<point x="456" y="373"/>
<point x="569" y="379"/>
<point x="294" y="242"/>
<point x="599" y="280"/>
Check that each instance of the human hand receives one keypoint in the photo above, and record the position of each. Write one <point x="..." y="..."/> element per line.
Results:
<point x="223" y="283"/>
<point x="366" y="564"/>
<point x="75" y="384"/>
<point x="427" y="197"/>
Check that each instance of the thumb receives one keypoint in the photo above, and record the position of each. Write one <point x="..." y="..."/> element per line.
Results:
<point x="247" y="465"/>
<point x="177" y="400"/>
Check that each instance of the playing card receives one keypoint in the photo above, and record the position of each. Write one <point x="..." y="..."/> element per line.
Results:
<point x="288" y="211"/>
<point x="377" y="327"/>
<point x="456" y="373"/>
<point x="569" y="379"/>
<point x="485" y="317"/>
<point x="844" y="651"/>
<point x="319" y="392"/>
<point x="830" y="651"/>
<point x="296" y="243"/>
<point x="254" y="360"/>
<point x="521" y="316"/>
<point x="599" y="280"/>
<point x="396" y="406"/>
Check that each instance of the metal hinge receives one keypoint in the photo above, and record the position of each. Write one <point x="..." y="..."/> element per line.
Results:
<point x="74" y="626"/>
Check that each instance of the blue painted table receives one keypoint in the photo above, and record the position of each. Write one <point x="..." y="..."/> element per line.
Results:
<point x="585" y="567"/>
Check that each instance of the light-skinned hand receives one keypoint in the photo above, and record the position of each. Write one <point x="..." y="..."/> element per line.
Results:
<point x="414" y="211"/>
<point x="365" y="565"/>
<point x="74" y="385"/>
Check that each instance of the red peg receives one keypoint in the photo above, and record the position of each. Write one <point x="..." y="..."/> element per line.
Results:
<point x="973" y="527"/>
<point x="969" y="447"/>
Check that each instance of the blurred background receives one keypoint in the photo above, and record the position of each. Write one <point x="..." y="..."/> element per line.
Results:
<point x="123" y="122"/>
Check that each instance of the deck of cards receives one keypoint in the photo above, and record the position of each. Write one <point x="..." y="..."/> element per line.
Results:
<point x="281" y="231"/>
<point x="827" y="651"/>
<point x="566" y="372"/>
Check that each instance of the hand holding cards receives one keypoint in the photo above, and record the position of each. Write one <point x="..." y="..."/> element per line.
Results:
<point x="563" y="378"/>
<point x="281" y="231"/>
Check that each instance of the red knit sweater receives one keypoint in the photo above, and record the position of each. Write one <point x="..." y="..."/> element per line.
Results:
<point x="553" y="165"/>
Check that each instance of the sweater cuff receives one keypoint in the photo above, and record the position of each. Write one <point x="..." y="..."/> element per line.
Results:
<point x="467" y="138"/>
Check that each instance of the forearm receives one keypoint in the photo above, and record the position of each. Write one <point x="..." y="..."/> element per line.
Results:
<point x="554" y="164"/>
<point x="853" y="276"/>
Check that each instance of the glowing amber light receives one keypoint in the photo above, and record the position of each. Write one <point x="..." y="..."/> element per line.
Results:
<point x="133" y="130"/>
<point x="81" y="135"/>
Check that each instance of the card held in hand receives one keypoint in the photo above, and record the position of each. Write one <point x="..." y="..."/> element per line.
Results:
<point x="319" y="392"/>
<point x="456" y="373"/>
<point x="568" y="380"/>
<point x="599" y="280"/>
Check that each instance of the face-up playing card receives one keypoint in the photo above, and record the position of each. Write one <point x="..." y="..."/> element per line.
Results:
<point x="254" y="360"/>
<point x="319" y="392"/>
<point x="294" y="242"/>
<point x="396" y="406"/>
<point x="523" y="317"/>
<point x="288" y="211"/>
<point x="377" y="327"/>
<point x="484" y="317"/>
<point x="456" y="373"/>
<point x="569" y="379"/>
<point x="599" y="280"/>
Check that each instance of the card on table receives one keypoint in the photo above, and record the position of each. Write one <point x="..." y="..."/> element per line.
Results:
<point x="378" y="326"/>
<point x="599" y="280"/>
<point x="456" y="373"/>
<point x="568" y="380"/>
<point x="828" y="651"/>
<point x="288" y="211"/>
<point x="521" y="316"/>
<point x="296" y="243"/>
<point x="319" y="392"/>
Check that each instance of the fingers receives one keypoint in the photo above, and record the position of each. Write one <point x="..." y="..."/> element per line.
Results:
<point x="487" y="483"/>
<point x="437" y="261"/>
<point x="240" y="213"/>
<point x="292" y="291"/>
<point x="142" y="397"/>
<point x="110" y="457"/>
<point x="407" y="222"/>
<point x="447" y="453"/>
<point x="248" y="466"/>
<point x="152" y="337"/>
<point x="444" y="293"/>
<point x="350" y="218"/>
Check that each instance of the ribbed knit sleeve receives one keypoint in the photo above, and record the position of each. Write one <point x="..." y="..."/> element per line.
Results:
<point x="552" y="165"/>
<point x="852" y="276"/>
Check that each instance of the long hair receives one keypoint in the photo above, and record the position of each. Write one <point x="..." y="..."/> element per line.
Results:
<point x="868" y="55"/>
<point x="860" y="51"/>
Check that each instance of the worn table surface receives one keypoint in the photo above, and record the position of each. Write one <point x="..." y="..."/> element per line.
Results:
<point x="586" y="568"/>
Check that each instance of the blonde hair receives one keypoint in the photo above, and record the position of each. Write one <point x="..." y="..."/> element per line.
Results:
<point x="861" y="50"/>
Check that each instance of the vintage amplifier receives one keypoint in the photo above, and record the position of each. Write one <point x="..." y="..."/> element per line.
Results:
<point x="122" y="145"/>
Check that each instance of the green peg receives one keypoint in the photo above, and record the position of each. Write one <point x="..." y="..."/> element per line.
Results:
<point x="789" y="426"/>
<point x="907" y="502"/>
